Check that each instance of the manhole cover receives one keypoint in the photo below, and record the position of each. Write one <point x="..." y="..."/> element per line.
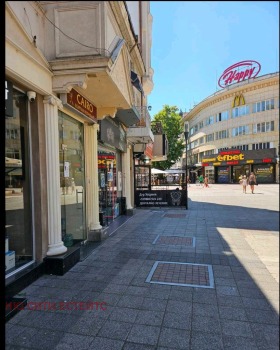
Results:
<point x="175" y="240"/>
<point x="181" y="274"/>
<point x="177" y="216"/>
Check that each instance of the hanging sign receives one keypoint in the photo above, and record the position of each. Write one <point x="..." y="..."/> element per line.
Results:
<point x="79" y="102"/>
<point x="240" y="71"/>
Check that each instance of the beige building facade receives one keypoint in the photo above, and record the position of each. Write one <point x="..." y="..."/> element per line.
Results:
<point x="241" y="118"/>
<point x="77" y="84"/>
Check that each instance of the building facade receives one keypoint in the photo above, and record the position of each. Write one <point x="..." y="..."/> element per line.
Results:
<point x="236" y="131"/>
<point x="77" y="82"/>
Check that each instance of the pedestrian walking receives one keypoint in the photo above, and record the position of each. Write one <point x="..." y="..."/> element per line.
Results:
<point x="206" y="182"/>
<point x="201" y="180"/>
<point x="252" y="181"/>
<point x="244" y="183"/>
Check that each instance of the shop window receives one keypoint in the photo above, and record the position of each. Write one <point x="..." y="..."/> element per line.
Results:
<point x="18" y="207"/>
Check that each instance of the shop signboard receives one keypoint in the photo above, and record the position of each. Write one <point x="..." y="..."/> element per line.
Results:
<point x="264" y="173"/>
<point x="160" y="198"/>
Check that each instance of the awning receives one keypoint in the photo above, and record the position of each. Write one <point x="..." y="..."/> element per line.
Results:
<point x="135" y="81"/>
<point x="196" y="170"/>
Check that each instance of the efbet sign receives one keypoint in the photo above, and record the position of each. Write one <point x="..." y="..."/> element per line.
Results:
<point x="240" y="71"/>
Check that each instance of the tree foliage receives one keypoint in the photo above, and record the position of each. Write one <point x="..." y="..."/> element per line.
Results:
<point x="172" y="126"/>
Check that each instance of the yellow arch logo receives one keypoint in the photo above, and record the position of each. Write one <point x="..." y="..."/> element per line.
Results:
<point x="238" y="101"/>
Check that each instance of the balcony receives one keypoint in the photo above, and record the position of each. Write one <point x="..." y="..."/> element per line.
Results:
<point x="140" y="132"/>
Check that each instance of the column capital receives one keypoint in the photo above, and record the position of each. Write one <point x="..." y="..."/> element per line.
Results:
<point x="53" y="100"/>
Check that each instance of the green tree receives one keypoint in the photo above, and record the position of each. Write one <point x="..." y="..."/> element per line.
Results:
<point x="172" y="126"/>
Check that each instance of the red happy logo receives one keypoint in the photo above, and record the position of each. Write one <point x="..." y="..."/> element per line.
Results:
<point x="239" y="72"/>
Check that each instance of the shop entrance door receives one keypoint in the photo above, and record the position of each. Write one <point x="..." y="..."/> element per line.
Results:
<point x="107" y="187"/>
<point x="72" y="182"/>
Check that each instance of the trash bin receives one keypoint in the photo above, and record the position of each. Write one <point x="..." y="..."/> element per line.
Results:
<point x="122" y="205"/>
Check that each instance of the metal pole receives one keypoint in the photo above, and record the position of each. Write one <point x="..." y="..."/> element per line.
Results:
<point x="186" y="138"/>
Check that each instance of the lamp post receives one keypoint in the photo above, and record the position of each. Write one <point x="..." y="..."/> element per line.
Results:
<point x="186" y="133"/>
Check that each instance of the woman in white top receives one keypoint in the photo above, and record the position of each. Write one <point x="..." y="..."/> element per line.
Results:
<point x="244" y="183"/>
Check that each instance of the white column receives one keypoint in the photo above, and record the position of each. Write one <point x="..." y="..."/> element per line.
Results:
<point x="56" y="246"/>
<point x="127" y="177"/>
<point x="92" y="194"/>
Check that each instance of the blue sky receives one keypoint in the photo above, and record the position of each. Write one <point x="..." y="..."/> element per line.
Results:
<point x="193" y="42"/>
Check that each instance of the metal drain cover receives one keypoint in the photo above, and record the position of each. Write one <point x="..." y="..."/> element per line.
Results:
<point x="181" y="274"/>
<point x="175" y="240"/>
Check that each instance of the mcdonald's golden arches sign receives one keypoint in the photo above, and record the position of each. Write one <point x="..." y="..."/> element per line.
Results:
<point x="238" y="101"/>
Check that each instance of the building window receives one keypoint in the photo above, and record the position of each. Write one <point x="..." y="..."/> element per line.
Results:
<point x="222" y="116"/>
<point x="210" y="137"/>
<point x="201" y="140"/>
<point x="223" y="134"/>
<point x="209" y="120"/>
<point x="240" y="130"/>
<point x="261" y="145"/>
<point x="263" y="127"/>
<point x="263" y="106"/>
<point x="240" y="111"/>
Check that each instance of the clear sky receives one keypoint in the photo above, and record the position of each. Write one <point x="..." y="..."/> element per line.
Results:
<point x="193" y="42"/>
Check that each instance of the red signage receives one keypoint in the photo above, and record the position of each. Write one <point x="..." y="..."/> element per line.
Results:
<point x="267" y="160"/>
<point x="79" y="102"/>
<point x="238" y="72"/>
<point x="230" y="152"/>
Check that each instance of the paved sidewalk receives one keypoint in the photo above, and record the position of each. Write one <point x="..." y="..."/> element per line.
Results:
<point x="198" y="279"/>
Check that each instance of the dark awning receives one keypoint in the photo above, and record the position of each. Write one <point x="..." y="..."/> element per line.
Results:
<point x="135" y="81"/>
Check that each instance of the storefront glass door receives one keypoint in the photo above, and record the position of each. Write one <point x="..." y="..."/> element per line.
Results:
<point x="72" y="179"/>
<point x="108" y="206"/>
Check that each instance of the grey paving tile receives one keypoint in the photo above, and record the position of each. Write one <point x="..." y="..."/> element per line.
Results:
<point x="239" y="343"/>
<point x="106" y="344"/>
<point x="175" y="306"/>
<point x="38" y="339"/>
<point x="206" y="341"/>
<point x="134" y="346"/>
<point x="227" y="290"/>
<point x="233" y="313"/>
<point x="182" y="294"/>
<point x="177" y="320"/>
<point x="144" y="334"/>
<point x="87" y="326"/>
<point x="14" y="334"/>
<point x="206" y="324"/>
<point x="206" y="310"/>
<point x="265" y="335"/>
<point x="154" y="304"/>
<point x="204" y="296"/>
<point x="123" y="314"/>
<point x="115" y="330"/>
<point x="131" y="301"/>
<point x="236" y="328"/>
<point x="262" y="316"/>
<point x="174" y="338"/>
<point x="73" y="342"/>
<point x="147" y="317"/>
<point x="56" y="321"/>
<point x="256" y="303"/>
<point x="135" y="290"/>
<point x="115" y="288"/>
<point x="228" y="300"/>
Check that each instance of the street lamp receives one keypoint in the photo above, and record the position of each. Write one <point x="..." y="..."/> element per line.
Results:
<point x="186" y="134"/>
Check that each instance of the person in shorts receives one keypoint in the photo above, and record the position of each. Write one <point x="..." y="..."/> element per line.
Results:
<point x="252" y="181"/>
